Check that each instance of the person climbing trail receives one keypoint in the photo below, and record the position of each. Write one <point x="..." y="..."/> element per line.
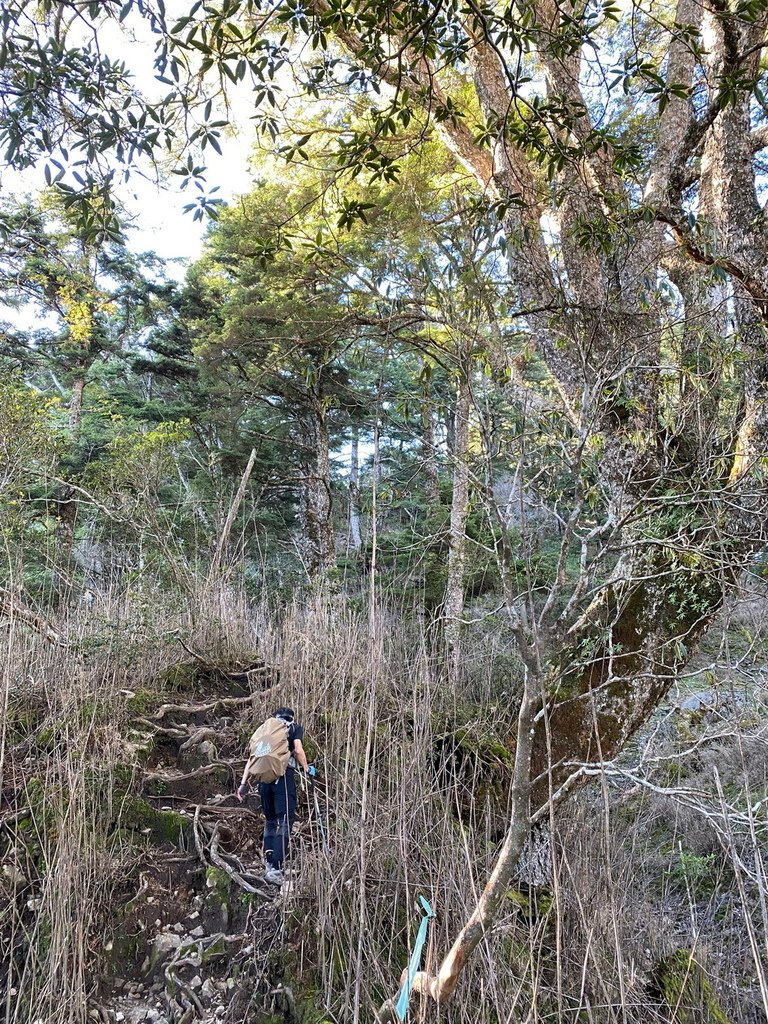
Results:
<point x="275" y="752"/>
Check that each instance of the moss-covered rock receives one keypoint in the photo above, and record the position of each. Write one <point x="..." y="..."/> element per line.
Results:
<point x="480" y="764"/>
<point x="532" y="904"/>
<point x="163" y="826"/>
<point x="687" y="991"/>
<point x="217" y="899"/>
<point x="217" y="882"/>
<point x="145" y="701"/>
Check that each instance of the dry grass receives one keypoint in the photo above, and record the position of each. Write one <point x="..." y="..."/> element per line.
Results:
<point x="406" y="813"/>
<point x="61" y="866"/>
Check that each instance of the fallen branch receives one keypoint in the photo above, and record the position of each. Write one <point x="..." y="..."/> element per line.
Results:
<point x="193" y="654"/>
<point x="234" y="508"/>
<point x="441" y="986"/>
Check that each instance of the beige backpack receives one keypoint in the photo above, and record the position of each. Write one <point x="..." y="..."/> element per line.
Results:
<point x="269" y="751"/>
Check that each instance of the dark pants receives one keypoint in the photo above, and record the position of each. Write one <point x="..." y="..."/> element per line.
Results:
<point x="278" y="801"/>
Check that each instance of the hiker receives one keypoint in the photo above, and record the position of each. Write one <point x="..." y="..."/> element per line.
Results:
<point x="275" y="752"/>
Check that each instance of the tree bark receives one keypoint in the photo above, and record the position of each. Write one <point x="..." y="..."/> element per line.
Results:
<point x="454" y="585"/>
<point x="317" y="508"/>
<point x="68" y="503"/>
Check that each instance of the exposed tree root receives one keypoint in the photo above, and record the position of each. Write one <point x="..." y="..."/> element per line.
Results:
<point x="194" y="709"/>
<point x="198" y="736"/>
<point x="209" y="852"/>
<point x="169" y="778"/>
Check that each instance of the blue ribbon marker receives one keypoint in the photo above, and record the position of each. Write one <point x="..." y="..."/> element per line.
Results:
<point x="401" y="1006"/>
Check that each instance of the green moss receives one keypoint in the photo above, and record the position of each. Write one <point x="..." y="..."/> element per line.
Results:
<point x="164" y="826"/>
<point x="687" y="991"/>
<point x="485" y="746"/>
<point x="122" y="780"/>
<point x="144" y="702"/>
<point x="519" y="899"/>
<point x="532" y="905"/>
<point x="180" y="677"/>
<point x="218" y="884"/>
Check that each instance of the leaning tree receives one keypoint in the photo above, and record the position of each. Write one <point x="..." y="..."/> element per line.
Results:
<point x="619" y="149"/>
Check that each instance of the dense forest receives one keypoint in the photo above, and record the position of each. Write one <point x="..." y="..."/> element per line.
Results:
<point x="451" y="434"/>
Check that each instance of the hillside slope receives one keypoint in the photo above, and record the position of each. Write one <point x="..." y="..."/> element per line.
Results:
<point x="131" y="883"/>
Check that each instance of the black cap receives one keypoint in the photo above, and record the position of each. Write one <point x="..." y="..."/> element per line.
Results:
<point x="285" y="713"/>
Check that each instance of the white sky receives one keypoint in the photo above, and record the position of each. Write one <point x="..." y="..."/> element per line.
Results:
<point x="156" y="213"/>
<point x="160" y="223"/>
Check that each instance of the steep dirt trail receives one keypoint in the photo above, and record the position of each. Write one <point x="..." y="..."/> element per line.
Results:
<point x="198" y="938"/>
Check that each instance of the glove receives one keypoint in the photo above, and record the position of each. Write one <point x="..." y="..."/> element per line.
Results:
<point x="242" y="791"/>
<point x="311" y="771"/>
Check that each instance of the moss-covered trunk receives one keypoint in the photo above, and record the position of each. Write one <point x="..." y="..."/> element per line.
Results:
<point x="617" y="664"/>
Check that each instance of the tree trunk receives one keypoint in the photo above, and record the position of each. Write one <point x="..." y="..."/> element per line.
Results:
<point x="234" y="508"/>
<point x="68" y="503"/>
<point x="434" y="528"/>
<point x="616" y="664"/>
<point x="76" y="407"/>
<point x="317" y="509"/>
<point x="355" y="533"/>
<point x="454" y="584"/>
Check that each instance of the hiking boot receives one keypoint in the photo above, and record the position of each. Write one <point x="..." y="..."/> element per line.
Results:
<point x="273" y="875"/>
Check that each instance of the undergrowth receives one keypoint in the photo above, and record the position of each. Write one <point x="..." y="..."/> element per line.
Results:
<point x="413" y="802"/>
